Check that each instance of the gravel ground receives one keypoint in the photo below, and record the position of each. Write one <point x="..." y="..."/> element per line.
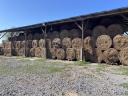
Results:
<point x="36" y="77"/>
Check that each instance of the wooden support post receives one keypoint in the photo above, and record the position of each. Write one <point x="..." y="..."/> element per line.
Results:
<point x="81" y="27"/>
<point x="11" y="43"/>
<point x="25" y="34"/>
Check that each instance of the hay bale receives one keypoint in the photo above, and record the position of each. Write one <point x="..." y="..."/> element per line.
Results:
<point x="123" y="56"/>
<point x="22" y="44"/>
<point x="21" y="52"/>
<point x="18" y="44"/>
<point x="55" y="34"/>
<point x="32" y="52"/>
<point x="76" y="43"/>
<point x="111" y="56"/>
<point x="70" y="54"/>
<point x="7" y="52"/>
<point x="64" y="34"/>
<point x="98" y="31"/>
<point x="40" y="52"/>
<point x="103" y="42"/>
<point x="48" y="43"/>
<point x="114" y="30"/>
<point x="120" y="42"/>
<point x="42" y="43"/>
<point x="67" y="43"/>
<point x="75" y="33"/>
<point x="56" y="43"/>
<point x="35" y="43"/>
<point x="29" y="36"/>
<point x="60" y="54"/>
<point x="29" y="44"/>
<point x="37" y="36"/>
<point x="88" y="43"/>
<point x="53" y="52"/>
<point x="21" y="37"/>
<point x="98" y="55"/>
<point x="77" y="53"/>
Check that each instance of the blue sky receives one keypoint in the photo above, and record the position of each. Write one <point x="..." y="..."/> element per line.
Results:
<point x="14" y="13"/>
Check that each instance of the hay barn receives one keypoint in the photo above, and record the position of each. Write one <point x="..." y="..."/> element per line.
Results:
<point x="98" y="37"/>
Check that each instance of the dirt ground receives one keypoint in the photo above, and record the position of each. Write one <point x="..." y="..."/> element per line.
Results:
<point x="40" y="77"/>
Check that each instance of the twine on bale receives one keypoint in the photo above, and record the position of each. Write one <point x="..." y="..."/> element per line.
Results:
<point x="67" y="43"/>
<point x="103" y="42"/>
<point x="40" y="52"/>
<point x="42" y="43"/>
<point x="120" y="42"/>
<point x="114" y="30"/>
<point x="64" y="34"/>
<point x="111" y="56"/>
<point x="56" y="43"/>
<point x="32" y="52"/>
<point x="76" y="43"/>
<point x="60" y="53"/>
<point x="35" y="43"/>
<point x="70" y="54"/>
<point x="123" y="56"/>
<point x="75" y="33"/>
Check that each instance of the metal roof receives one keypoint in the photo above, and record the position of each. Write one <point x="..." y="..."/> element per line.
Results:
<point x="72" y="19"/>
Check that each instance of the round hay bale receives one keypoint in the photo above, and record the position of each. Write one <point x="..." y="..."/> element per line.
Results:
<point x="67" y="43"/>
<point x="48" y="43"/>
<point x="29" y="36"/>
<point x="29" y="44"/>
<point x="120" y="42"/>
<point x="21" y="52"/>
<point x="18" y="44"/>
<point x="55" y="34"/>
<point x="35" y="43"/>
<point x="70" y="54"/>
<point x="64" y="34"/>
<point x="22" y="44"/>
<point x="88" y="43"/>
<point x="37" y="36"/>
<point x="111" y="56"/>
<point x="98" y="31"/>
<point x="75" y="33"/>
<point x="103" y="42"/>
<point x="40" y="52"/>
<point x="56" y="43"/>
<point x="98" y="55"/>
<point x="32" y="52"/>
<point x="60" y="53"/>
<point x="21" y="37"/>
<point x="123" y="56"/>
<point x="7" y="52"/>
<point x="114" y="30"/>
<point x="76" y="43"/>
<point x="53" y="52"/>
<point x="42" y="43"/>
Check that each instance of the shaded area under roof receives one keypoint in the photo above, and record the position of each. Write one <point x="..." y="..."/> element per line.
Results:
<point x="72" y="19"/>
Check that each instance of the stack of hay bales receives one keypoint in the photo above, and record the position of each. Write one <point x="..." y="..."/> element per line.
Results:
<point x="7" y="48"/>
<point x="38" y="48"/>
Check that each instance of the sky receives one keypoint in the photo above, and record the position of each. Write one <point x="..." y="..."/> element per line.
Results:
<point x="16" y="13"/>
